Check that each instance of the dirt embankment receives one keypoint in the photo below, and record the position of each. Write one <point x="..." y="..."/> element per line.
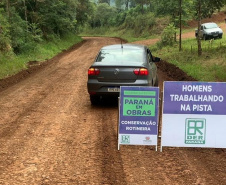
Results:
<point x="218" y="18"/>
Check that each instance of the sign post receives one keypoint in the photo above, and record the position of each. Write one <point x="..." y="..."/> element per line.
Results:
<point x="138" y="116"/>
<point x="194" y="114"/>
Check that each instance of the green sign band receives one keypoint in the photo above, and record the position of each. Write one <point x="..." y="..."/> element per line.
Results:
<point x="139" y="106"/>
<point x="140" y="93"/>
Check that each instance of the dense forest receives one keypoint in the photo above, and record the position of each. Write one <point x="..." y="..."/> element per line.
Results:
<point x="24" y="23"/>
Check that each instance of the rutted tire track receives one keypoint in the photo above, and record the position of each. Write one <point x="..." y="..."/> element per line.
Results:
<point x="50" y="134"/>
<point x="112" y="164"/>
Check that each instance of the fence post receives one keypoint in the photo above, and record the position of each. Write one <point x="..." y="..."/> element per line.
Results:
<point x="225" y="20"/>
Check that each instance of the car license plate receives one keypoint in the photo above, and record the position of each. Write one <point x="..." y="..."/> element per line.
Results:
<point x="113" y="89"/>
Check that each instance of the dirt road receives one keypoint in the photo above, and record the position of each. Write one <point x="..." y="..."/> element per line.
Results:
<point x="51" y="135"/>
<point x="186" y="35"/>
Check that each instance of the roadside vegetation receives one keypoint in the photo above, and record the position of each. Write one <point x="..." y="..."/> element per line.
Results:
<point x="32" y="30"/>
<point x="11" y="63"/>
<point x="211" y="66"/>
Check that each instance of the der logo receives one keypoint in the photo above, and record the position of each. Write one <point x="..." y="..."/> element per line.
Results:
<point x="195" y="131"/>
<point x="125" y="139"/>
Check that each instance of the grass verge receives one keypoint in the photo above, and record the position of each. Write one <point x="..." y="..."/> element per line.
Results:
<point x="11" y="63"/>
<point x="126" y="34"/>
<point x="211" y="66"/>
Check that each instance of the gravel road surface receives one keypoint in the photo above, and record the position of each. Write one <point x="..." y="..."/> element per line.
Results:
<point x="51" y="135"/>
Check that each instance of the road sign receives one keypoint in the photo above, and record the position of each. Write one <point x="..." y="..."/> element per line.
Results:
<point x="194" y="114"/>
<point x="138" y="116"/>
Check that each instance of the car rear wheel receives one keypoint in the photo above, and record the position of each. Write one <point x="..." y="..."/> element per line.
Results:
<point x="156" y="82"/>
<point x="94" y="99"/>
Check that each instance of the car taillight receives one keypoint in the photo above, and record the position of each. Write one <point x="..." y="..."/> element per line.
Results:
<point x="141" y="71"/>
<point x="93" y="71"/>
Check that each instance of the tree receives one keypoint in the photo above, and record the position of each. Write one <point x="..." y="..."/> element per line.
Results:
<point x="199" y="25"/>
<point x="8" y="7"/>
<point x="142" y="3"/>
<point x="180" y="20"/>
<point x="5" y="42"/>
<point x="173" y="9"/>
<point x="127" y="4"/>
<point x="57" y="17"/>
<point x="210" y="6"/>
<point x="83" y="11"/>
<point x="32" y="20"/>
<point x="104" y="14"/>
<point x="119" y="4"/>
<point x="105" y="1"/>
<point x="167" y="37"/>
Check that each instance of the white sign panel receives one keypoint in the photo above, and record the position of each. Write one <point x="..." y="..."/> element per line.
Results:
<point x="194" y="114"/>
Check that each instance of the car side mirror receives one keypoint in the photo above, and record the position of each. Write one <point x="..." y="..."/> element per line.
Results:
<point x="157" y="59"/>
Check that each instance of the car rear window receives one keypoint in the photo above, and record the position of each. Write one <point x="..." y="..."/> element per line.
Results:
<point x="120" y="55"/>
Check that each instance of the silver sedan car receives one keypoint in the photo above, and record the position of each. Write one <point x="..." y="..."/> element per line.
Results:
<point x="121" y="65"/>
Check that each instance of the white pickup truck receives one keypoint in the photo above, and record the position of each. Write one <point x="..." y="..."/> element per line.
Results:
<point x="209" y="31"/>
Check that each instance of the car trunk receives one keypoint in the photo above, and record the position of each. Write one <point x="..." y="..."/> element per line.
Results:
<point x="117" y="74"/>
